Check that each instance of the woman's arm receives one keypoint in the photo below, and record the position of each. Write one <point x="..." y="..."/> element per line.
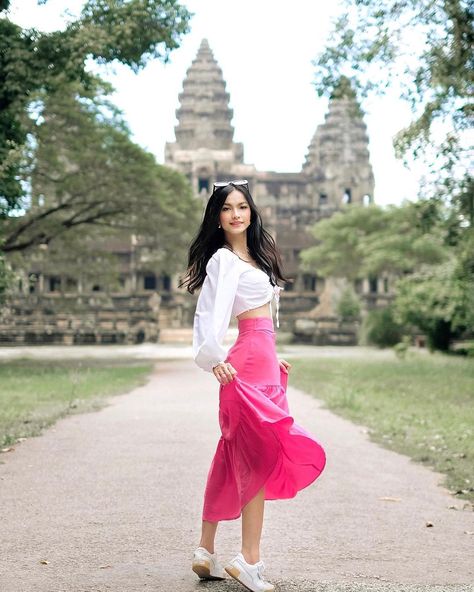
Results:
<point x="214" y="309"/>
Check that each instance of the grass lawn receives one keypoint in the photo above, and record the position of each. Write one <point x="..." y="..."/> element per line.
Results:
<point x="422" y="406"/>
<point x="34" y="394"/>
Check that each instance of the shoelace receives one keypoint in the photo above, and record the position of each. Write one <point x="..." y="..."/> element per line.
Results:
<point x="260" y="569"/>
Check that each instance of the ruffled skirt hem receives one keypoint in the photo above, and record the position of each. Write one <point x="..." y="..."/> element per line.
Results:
<point x="260" y="446"/>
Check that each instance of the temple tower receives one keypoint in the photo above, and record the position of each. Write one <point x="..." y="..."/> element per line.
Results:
<point x="338" y="163"/>
<point x="204" y="149"/>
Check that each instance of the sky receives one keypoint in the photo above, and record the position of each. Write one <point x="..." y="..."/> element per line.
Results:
<point x="265" y="50"/>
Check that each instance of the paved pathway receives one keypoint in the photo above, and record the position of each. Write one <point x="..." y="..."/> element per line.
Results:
<point x="111" y="501"/>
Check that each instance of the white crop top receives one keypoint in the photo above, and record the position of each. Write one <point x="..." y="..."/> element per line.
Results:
<point x="231" y="287"/>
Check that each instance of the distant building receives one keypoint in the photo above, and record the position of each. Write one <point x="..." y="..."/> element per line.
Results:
<point x="337" y="170"/>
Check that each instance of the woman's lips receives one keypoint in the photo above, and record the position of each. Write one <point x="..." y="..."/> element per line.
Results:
<point x="235" y="223"/>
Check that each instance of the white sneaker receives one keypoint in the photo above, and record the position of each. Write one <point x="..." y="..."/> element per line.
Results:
<point x="205" y="565"/>
<point x="250" y="576"/>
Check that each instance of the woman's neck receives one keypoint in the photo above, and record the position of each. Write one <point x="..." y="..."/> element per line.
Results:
<point x="238" y="244"/>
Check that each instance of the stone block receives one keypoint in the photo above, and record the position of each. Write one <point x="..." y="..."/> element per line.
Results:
<point x="307" y="326"/>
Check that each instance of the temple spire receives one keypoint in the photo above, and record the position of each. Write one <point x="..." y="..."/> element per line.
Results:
<point x="338" y="156"/>
<point x="204" y="114"/>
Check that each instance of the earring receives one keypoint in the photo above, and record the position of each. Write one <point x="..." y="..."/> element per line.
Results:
<point x="218" y="226"/>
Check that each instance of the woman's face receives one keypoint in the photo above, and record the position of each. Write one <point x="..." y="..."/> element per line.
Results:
<point x="235" y="213"/>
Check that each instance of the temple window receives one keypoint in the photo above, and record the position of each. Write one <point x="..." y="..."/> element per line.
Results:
<point x="149" y="282"/>
<point x="33" y="279"/>
<point x="309" y="283"/>
<point x="165" y="281"/>
<point x="373" y="284"/>
<point x="323" y="198"/>
<point x="203" y="184"/>
<point x="347" y="197"/>
<point x="54" y="283"/>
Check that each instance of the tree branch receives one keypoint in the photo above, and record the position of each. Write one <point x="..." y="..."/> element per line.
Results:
<point x="32" y="221"/>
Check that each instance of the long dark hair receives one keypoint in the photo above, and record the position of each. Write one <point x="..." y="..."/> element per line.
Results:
<point x="209" y="238"/>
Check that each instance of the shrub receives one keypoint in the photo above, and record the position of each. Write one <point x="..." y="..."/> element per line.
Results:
<point x="465" y="349"/>
<point x="379" y="328"/>
<point x="349" y="305"/>
<point x="401" y="348"/>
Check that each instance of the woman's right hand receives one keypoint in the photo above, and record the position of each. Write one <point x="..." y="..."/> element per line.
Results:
<point x="224" y="372"/>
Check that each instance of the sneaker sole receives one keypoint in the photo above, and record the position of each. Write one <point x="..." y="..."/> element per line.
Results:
<point x="203" y="570"/>
<point x="235" y="573"/>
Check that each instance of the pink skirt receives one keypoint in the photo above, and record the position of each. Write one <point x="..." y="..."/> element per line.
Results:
<point x="261" y="445"/>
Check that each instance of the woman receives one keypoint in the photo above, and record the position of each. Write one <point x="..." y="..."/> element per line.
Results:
<point x="262" y="454"/>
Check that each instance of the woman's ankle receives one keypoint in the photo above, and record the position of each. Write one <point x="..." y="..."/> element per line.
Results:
<point x="206" y="545"/>
<point x="251" y="556"/>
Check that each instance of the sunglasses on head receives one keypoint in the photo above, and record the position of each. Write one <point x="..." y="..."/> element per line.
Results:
<point x="220" y="184"/>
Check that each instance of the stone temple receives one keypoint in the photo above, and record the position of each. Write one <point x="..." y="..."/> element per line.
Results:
<point x="336" y="171"/>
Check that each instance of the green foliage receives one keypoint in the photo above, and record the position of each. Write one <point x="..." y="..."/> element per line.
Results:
<point x="348" y="306"/>
<point x="131" y="32"/>
<point x="367" y="240"/>
<point x="467" y="349"/>
<point x="339" y="252"/>
<point x="380" y="328"/>
<point x="439" y="300"/>
<point x="427" y="245"/>
<point x="401" y="348"/>
<point x="91" y="185"/>
<point x="6" y="277"/>
<point x="424" y="50"/>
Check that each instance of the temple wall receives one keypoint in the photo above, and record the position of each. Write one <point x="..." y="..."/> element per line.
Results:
<point x="76" y="320"/>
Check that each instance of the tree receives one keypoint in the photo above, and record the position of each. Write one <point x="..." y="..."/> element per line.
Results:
<point x="129" y="31"/>
<point x="423" y="50"/>
<point x="431" y="257"/>
<point x="380" y="328"/>
<point x="90" y="184"/>
<point x="368" y="240"/>
<point x="348" y="306"/>
<point x="439" y="299"/>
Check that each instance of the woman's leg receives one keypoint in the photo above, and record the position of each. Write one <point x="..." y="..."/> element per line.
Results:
<point x="208" y="534"/>
<point x="252" y="522"/>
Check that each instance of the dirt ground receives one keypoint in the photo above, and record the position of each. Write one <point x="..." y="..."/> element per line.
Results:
<point x="111" y="501"/>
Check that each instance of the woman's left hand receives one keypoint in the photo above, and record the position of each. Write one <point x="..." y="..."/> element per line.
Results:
<point x="285" y="366"/>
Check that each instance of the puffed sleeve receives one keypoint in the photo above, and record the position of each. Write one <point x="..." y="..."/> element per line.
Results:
<point x="214" y="309"/>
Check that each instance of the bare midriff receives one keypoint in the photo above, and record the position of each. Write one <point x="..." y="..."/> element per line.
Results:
<point x="261" y="311"/>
